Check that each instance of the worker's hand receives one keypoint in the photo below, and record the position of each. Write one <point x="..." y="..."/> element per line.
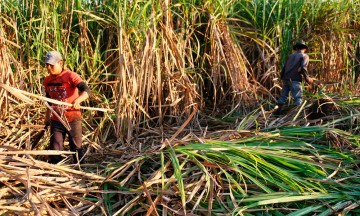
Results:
<point x="310" y="80"/>
<point x="76" y="104"/>
<point x="83" y="96"/>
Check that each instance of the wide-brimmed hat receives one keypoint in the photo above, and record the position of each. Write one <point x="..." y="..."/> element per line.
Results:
<point x="300" y="44"/>
<point x="52" y="57"/>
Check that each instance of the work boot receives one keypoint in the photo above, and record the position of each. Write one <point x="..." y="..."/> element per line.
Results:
<point x="54" y="159"/>
<point x="279" y="110"/>
<point x="79" y="155"/>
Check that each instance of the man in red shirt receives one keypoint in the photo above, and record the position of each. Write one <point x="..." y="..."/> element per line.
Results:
<point x="67" y="86"/>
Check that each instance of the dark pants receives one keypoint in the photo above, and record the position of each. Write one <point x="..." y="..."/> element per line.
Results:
<point x="58" y="133"/>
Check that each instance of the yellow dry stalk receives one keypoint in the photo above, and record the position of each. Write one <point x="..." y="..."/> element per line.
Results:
<point x="16" y="93"/>
<point x="6" y="74"/>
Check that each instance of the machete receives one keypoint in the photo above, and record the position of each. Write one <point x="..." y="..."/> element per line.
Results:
<point x="319" y="82"/>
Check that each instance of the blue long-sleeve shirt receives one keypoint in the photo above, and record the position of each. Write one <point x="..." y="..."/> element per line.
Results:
<point x="295" y="67"/>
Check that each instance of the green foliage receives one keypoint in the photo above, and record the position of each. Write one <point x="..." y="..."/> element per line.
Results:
<point x="265" y="172"/>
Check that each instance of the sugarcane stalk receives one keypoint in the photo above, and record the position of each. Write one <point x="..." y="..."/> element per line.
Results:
<point x="22" y="96"/>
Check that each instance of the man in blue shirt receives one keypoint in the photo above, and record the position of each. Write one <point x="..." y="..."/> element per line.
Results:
<point x="292" y="74"/>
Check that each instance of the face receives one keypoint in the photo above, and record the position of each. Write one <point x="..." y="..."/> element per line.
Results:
<point x="54" y="69"/>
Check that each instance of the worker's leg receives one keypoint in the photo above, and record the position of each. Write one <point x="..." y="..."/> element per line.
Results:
<point x="75" y="140"/>
<point x="297" y="93"/>
<point x="57" y="136"/>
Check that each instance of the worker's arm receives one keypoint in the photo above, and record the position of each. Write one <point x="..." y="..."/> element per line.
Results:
<point x="83" y="95"/>
<point x="304" y="70"/>
<point x="47" y="116"/>
<point x="47" y="113"/>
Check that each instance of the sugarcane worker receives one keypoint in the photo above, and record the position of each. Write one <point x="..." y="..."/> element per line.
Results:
<point x="64" y="85"/>
<point x="292" y="75"/>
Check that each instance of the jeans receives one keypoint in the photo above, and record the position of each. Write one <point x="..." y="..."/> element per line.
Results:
<point x="296" y="90"/>
<point x="58" y="133"/>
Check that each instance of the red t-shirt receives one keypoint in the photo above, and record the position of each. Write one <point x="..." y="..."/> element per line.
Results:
<point x="62" y="87"/>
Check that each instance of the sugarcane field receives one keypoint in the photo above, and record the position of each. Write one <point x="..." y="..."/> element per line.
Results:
<point x="223" y="107"/>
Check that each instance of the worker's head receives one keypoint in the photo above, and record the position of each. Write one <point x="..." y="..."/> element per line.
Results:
<point x="54" y="62"/>
<point x="300" y="45"/>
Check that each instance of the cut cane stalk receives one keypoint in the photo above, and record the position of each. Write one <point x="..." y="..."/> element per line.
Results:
<point x="22" y="95"/>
